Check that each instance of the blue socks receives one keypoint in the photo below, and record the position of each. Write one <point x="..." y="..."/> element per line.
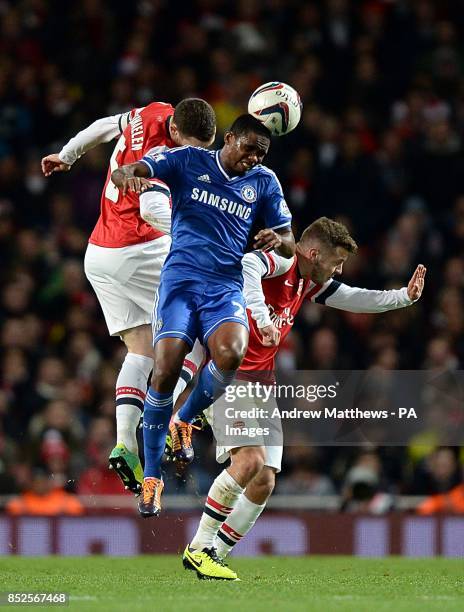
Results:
<point x="211" y="384"/>
<point x="157" y="413"/>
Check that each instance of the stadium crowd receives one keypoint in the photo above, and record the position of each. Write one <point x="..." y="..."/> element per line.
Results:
<point x="379" y="146"/>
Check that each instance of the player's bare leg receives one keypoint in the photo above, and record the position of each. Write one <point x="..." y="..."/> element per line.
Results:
<point x="131" y="388"/>
<point x="227" y="346"/>
<point x="168" y="359"/>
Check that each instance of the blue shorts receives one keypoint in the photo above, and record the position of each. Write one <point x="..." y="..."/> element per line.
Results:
<point x="191" y="309"/>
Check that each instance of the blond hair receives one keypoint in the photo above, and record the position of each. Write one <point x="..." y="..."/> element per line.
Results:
<point x="330" y="233"/>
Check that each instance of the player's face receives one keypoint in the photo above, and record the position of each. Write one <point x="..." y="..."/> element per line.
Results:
<point x="322" y="264"/>
<point x="242" y="153"/>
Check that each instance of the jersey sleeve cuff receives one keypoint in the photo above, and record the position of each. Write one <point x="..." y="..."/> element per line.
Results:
<point x="67" y="158"/>
<point x="288" y="225"/>
<point x="263" y="320"/>
<point x="150" y="164"/>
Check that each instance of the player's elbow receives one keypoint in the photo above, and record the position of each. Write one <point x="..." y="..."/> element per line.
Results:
<point x="155" y="210"/>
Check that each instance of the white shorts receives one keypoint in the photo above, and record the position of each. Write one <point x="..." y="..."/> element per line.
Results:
<point x="274" y="453"/>
<point x="125" y="279"/>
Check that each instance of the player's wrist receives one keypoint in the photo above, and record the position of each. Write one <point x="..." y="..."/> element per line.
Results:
<point x="263" y="322"/>
<point x="67" y="158"/>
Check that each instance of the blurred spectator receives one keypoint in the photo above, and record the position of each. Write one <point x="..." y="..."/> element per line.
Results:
<point x="451" y="502"/>
<point x="97" y="479"/>
<point x="44" y="498"/>
<point x="362" y="491"/>
<point x="379" y="146"/>
<point x="436" y="473"/>
<point x="305" y="479"/>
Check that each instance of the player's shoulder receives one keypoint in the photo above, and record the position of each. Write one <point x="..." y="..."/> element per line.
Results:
<point x="265" y="171"/>
<point x="267" y="175"/>
<point x="274" y="264"/>
<point x="190" y="152"/>
<point x="201" y="151"/>
<point x="161" y="110"/>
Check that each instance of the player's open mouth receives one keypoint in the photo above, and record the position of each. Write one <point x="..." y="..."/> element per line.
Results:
<point x="246" y="165"/>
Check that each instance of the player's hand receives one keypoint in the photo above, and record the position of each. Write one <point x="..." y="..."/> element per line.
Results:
<point x="416" y="284"/>
<point x="131" y="183"/>
<point x="270" y="335"/>
<point x="266" y="240"/>
<point x="52" y="163"/>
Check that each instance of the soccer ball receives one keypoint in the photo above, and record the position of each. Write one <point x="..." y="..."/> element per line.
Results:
<point x="277" y="105"/>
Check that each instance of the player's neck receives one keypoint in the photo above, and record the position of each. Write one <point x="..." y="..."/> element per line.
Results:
<point x="223" y="162"/>
<point x="302" y="265"/>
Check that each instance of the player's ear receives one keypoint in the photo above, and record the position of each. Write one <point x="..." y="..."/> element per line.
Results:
<point x="313" y="254"/>
<point x="174" y="130"/>
<point x="229" y="138"/>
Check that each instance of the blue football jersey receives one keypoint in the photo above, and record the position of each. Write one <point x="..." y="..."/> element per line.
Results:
<point x="212" y="212"/>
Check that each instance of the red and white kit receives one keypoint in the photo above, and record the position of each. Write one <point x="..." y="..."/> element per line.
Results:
<point x="274" y="292"/>
<point x="125" y="254"/>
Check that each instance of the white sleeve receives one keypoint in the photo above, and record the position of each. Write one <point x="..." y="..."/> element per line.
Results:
<point x="155" y="207"/>
<point x="101" y="130"/>
<point x="256" y="266"/>
<point x="354" y="299"/>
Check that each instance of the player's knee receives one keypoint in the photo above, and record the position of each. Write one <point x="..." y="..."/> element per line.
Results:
<point x="249" y="461"/>
<point x="164" y="378"/>
<point x="230" y="356"/>
<point x="139" y="340"/>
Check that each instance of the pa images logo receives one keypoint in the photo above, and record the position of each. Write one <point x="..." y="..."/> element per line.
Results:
<point x="249" y="193"/>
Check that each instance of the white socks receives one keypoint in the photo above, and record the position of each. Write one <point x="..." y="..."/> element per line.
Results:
<point x="222" y="497"/>
<point x="131" y="388"/>
<point x="181" y="384"/>
<point x="237" y="525"/>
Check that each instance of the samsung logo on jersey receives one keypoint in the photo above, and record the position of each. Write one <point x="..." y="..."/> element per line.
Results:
<point x="233" y="208"/>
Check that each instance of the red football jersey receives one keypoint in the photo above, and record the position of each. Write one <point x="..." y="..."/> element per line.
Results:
<point x="284" y="295"/>
<point x="120" y="223"/>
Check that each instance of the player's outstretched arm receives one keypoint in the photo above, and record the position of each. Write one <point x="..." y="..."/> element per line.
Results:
<point x="98" y="132"/>
<point x="282" y="241"/>
<point x="132" y="177"/>
<point x="354" y="299"/>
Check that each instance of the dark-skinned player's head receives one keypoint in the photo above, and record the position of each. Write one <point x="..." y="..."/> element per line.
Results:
<point x="323" y="249"/>
<point x="193" y="123"/>
<point x="246" y="144"/>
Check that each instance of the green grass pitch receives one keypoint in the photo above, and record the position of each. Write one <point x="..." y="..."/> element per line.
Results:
<point x="159" y="583"/>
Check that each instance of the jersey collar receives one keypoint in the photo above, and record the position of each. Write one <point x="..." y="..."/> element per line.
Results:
<point x="220" y="166"/>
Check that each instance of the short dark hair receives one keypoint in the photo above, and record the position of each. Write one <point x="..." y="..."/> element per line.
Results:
<point x="246" y="124"/>
<point x="196" y="118"/>
<point x="331" y="233"/>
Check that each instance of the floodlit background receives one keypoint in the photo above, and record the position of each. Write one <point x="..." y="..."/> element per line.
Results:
<point x="379" y="146"/>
